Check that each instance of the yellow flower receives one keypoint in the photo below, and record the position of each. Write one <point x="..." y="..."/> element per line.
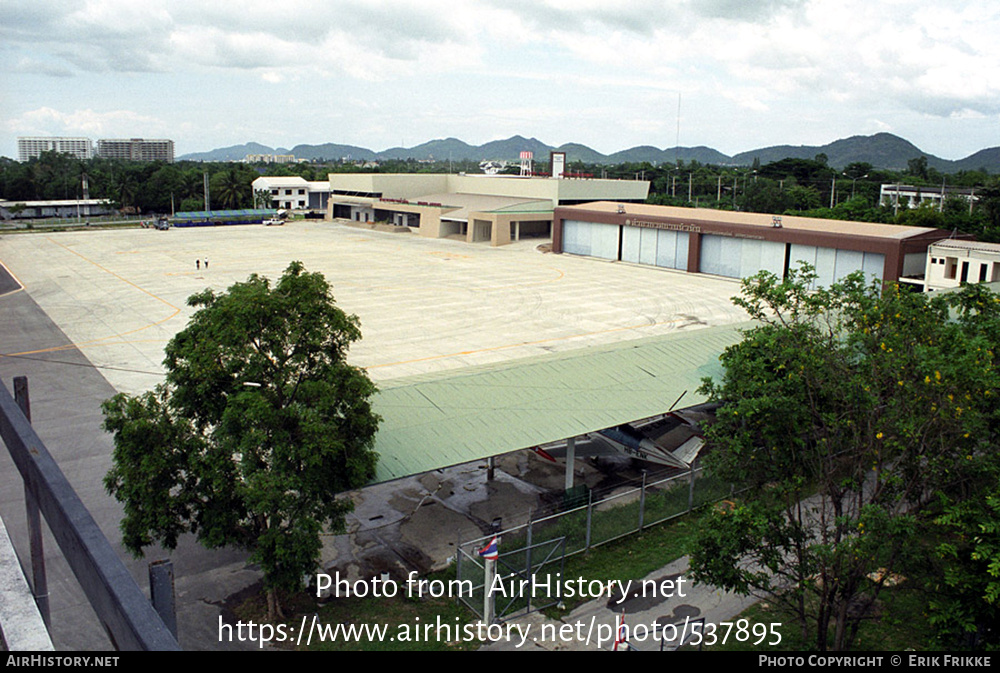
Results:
<point x="878" y="436"/>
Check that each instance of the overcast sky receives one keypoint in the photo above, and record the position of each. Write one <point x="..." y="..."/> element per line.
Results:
<point x="382" y="73"/>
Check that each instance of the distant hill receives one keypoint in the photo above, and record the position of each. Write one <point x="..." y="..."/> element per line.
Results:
<point x="988" y="159"/>
<point x="578" y="152"/>
<point x="882" y="150"/>
<point x="330" y="152"/>
<point x="442" y="150"/>
<point x="511" y="148"/>
<point x="233" y="153"/>
<point x="703" y="155"/>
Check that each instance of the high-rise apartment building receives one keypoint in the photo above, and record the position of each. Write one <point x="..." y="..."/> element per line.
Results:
<point x="136" y="149"/>
<point x="32" y="148"/>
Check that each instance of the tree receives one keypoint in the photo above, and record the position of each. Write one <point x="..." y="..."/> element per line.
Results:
<point x="845" y="411"/>
<point x="917" y="167"/>
<point x="964" y="577"/>
<point x="260" y="424"/>
<point x="232" y="188"/>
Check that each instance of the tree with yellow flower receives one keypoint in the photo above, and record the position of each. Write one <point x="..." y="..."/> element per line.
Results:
<point x="847" y="413"/>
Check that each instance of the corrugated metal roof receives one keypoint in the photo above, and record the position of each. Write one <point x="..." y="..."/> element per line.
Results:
<point x="432" y="421"/>
<point x="958" y="244"/>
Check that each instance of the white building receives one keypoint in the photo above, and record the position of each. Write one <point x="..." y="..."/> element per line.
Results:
<point x="953" y="262"/>
<point x="63" y="208"/>
<point x="32" y="148"/>
<point x="908" y="196"/>
<point x="269" y="159"/>
<point x="136" y="149"/>
<point x="293" y="193"/>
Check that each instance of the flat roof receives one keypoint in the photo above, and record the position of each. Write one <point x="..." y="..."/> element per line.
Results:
<point x="432" y="421"/>
<point x="482" y="203"/>
<point x="762" y="220"/>
<point x="958" y="244"/>
<point x="56" y="203"/>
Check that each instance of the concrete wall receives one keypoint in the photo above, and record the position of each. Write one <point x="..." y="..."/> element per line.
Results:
<point x="396" y="186"/>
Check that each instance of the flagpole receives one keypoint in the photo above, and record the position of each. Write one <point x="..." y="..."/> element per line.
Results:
<point x="490" y="553"/>
<point x="488" y="609"/>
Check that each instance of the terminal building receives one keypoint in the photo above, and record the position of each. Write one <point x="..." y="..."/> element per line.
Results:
<point x="496" y="209"/>
<point x="738" y="245"/>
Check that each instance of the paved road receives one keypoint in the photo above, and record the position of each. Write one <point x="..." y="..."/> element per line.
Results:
<point x="66" y="392"/>
<point x="7" y="282"/>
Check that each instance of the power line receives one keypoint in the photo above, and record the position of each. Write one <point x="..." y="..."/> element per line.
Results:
<point x="79" y="364"/>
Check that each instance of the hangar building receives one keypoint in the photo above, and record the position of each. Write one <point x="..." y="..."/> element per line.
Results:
<point x="737" y="245"/>
<point x="479" y="208"/>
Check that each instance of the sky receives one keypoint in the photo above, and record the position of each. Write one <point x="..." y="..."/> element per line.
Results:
<point x="734" y="75"/>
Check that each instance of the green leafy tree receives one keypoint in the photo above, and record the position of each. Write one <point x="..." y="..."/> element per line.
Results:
<point x="964" y="579"/>
<point x="844" y="411"/>
<point x="231" y="188"/>
<point x="260" y="424"/>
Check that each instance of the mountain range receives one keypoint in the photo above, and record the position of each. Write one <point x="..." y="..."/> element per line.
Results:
<point x="882" y="150"/>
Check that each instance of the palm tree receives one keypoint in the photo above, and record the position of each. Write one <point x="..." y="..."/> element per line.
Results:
<point x="230" y="189"/>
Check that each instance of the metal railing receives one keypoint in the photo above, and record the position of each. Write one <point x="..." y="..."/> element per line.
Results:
<point x="129" y="619"/>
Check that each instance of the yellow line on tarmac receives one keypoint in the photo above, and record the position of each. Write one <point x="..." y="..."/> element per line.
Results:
<point x="16" y="279"/>
<point x="107" y="338"/>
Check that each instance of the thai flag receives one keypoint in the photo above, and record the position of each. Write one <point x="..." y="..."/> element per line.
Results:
<point x="491" y="551"/>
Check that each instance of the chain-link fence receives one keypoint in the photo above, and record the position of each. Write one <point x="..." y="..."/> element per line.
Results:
<point x="590" y="519"/>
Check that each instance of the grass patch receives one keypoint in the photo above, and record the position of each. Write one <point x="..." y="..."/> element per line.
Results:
<point x="632" y="557"/>
<point x="899" y="623"/>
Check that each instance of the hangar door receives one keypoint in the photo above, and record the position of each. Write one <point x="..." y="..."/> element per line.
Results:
<point x="833" y="264"/>
<point x="657" y="247"/>
<point x="591" y="239"/>
<point x="741" y="257"/>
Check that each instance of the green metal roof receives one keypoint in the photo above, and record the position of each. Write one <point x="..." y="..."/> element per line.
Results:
<point x="433" y="421"/>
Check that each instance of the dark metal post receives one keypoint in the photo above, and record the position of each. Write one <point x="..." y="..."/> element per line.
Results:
<point x="161" y="593"/>
<point x="527" y="560"/>
<point x="39" y="581"/>
<point x="120" y="605"/>
<point x="642" y="500"/>
<point x="590" y="509"/>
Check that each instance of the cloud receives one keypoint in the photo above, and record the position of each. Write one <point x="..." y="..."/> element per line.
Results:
<point x="89" y="123"/>
<point x="864" y="58"/>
